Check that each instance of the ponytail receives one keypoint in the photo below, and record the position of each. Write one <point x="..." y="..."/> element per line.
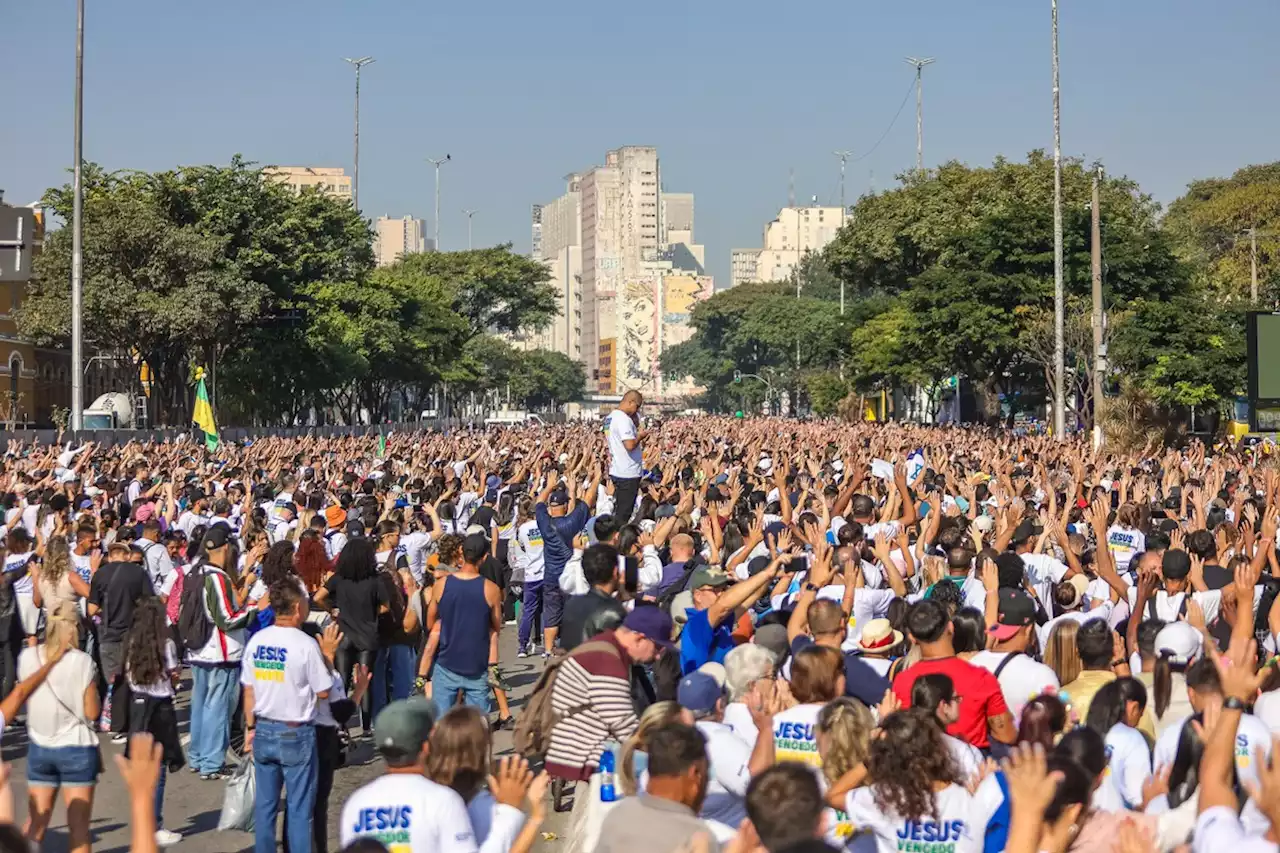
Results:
<point x="1163" y="684"/>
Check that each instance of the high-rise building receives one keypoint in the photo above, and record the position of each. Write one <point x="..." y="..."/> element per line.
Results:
<point x="535" y="243"/>
<point x="795" y="231"/>
<point x="330" y="181"/>
<point x="621" y="254"/>
<point x="395" y="238"/>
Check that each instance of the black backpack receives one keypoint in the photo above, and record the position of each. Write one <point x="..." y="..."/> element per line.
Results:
<point x="194" y="626"/>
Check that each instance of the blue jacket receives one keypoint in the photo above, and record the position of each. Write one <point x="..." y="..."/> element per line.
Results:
<point x="557" y="537"/>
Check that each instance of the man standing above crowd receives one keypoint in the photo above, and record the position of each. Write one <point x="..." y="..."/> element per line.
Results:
<point x="626" y="464"/>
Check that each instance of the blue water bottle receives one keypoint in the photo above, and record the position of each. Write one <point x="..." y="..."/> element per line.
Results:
<point x="608" y="766"/>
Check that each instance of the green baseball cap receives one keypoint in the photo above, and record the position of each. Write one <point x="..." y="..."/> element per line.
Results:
<point x="404" y="725"/>
<point x="708" y="576"/>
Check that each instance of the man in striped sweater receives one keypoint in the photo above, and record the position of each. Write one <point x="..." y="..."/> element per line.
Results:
<point x="592" y="700"/>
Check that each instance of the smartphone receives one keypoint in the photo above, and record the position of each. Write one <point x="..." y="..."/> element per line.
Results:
<point x="798" y="564"/>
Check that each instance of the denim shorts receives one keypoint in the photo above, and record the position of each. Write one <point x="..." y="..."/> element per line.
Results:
<point x="61" y="766"/>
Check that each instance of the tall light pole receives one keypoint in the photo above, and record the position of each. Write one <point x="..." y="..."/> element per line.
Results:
<point x="1099" y="356"/>
<point x="469" y="213"/>
<point x="77" y="235"/>
<point x="436" y="162"/>
<point x="1059" y="308"/>
<point x="844" y="156"/>
<point x="919" y="64"/>
<point x="355" y="179"/>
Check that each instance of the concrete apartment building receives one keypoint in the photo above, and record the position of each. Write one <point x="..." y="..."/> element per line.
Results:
<point x="330" y="181"/>
<point x="622" y="257"/>
<point x="395" y="238"/>
<point x="793" y="232"/>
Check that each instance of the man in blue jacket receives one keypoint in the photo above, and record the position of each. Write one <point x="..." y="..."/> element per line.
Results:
<point x="559" y="526"/>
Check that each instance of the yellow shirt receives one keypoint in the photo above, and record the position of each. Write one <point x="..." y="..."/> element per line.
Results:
<point x="1087" y="685"/>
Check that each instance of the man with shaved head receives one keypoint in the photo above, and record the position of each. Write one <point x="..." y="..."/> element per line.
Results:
<point x="626" y="464"/>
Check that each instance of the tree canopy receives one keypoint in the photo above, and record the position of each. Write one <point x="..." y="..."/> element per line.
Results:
<point x="224" y="267"/>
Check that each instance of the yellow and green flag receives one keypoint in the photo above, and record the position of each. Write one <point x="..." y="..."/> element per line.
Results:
<point x="202" y="414"/>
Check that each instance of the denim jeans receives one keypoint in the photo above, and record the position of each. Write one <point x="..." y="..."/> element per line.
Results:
<point x="214" y="692"/>
<point x="160" y="797"/>
<point x="530" y="610"/>
<point x="393" y="674"/>
<point x="445" y="686"/>
<point x="284" y="755"/>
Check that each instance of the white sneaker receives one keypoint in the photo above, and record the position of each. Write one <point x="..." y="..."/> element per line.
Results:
<point x="525" y="651"/>
<point x="167" y="838"/>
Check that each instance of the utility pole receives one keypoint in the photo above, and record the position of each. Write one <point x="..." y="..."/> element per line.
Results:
<point x="1099" y="353"/>
<point x="844" y="156"/>
<point x="355" y="178"/>
<point x="77" y="236"/>
<point x="436" y="162"/>
<point x="1253" y="265"/>
<point x="1059" y="307"/>
<point x="469" y="213"/>
<point x="919" y="64"/>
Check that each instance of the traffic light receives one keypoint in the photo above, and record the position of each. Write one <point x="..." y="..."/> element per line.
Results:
<point x="737" y="376"/>
<point x="738" y="413"/>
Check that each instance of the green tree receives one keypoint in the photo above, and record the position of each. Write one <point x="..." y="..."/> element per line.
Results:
<point x="1188" y="351"/>
<point x="1210" y="226"/>
<point x="554" y="378"/>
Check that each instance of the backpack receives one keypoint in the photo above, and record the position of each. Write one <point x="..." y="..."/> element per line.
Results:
<point x="532" y="736"/>
<point x="194" y="626"/>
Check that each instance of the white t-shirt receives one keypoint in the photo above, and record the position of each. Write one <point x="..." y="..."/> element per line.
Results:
<point x="1102" y="611"/>
<point x="961" y="828"/>
<point x="189" y="521"/>
<point x="1168" y="607"/>
<point x="334" y="542"/>
<point x="967" y="757"/>
<point x="18" y="564"/>
<point x="415" y="547"/>
<point x="728" y="774"/>
<point x="1219" y="828"/>
<point x="55" y="711"/>
<point x="1251" y="735"/>
<point x="1123" y="543"/>
<point x="737" y="717"/>
<point x="1267" y="709"/>
<point x="795" y="734"/>
<point x="531" y="546"/>
<point x="1044" y="571"/>
<point x="286" y="671"/>
<point x="163" y="687"/>
<point x="324" y="713"/>
<point x="409" y="814"/>
<point x="496" y="826"/>
<point x="623" y="463"/>
<point x="1023" y="679"/>
<point x="1128" y="767"/>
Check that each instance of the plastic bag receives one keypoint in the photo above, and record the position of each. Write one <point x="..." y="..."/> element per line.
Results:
<point x="237" y="800"/>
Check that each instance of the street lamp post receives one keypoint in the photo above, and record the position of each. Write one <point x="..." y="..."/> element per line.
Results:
<point x="436" y="162"/>
<point x="77" y="235"/>
<point x="1059" y="307"/>
<point x="355" y="178"/>
<point x="469" y="213"/>
<point x="919" y="65"/>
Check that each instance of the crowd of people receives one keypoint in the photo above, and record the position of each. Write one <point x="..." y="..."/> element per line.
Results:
<point x="748" y="635"/>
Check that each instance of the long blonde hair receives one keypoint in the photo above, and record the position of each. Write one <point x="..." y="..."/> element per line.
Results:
<point x="1061" y="654"/>
<point x="655" y="716"/>
<point x="844" y="736"/>
<point x="57" y="560"/>
<point x="62" y="628"/>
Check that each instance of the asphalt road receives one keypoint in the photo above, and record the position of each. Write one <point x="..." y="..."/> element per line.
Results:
<point x="191" y="807"/>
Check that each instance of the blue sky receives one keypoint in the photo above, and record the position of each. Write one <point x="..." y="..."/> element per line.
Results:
<point x="733" y="94"/>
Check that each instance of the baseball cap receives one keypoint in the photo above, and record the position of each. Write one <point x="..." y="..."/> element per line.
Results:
<point x="1179" y="643"/>
<point x="1024" y="531"/>
<point x="651" y="622"/>
<point x="404" y="726"/>
<point x="699" y="692"/>
<point x="559" y="498"/>
<point x="493" y="481"/>
<point x="1016" y="611"/>
<point x="708" y="576"/>
<point x="774" y="638"/>
<point x="216" y="537"/>
<point x="1078" y="584"/>
<point x="477" y="530"/>
<point x="1175" y="564"/>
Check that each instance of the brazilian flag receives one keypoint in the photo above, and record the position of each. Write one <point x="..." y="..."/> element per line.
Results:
<point x="202" y="414"/>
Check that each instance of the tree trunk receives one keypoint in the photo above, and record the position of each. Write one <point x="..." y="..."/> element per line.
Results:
<point x="990" y="401"/>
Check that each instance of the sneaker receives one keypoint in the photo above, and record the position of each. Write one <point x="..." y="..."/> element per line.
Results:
<point x="215" y="776"/>
<point x="167" y="838"/>
<point x="525" y="651"/>
<point x="119" y="737"/>
<point x="505" y="724"/>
